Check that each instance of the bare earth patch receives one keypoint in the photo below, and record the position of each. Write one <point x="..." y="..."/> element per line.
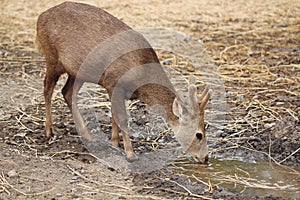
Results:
<point x="254" y="46"/>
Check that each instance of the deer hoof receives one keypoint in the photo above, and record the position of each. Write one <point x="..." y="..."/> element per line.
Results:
<point x="131" y="157"/>
<point x="49" y="132"/>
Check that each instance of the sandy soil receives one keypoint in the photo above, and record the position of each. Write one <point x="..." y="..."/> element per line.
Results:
<point x="253" y="44"/>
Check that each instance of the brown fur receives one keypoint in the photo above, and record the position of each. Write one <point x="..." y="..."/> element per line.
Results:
<point x="67" y="33"/>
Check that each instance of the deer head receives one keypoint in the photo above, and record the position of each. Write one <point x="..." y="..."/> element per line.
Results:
<point x="190" y="132"/>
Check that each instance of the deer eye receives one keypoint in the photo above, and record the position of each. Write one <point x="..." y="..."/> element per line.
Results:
<point x="199" y="136"/>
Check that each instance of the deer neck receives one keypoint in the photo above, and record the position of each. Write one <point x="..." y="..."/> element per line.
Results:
<point x="162" y="98"/>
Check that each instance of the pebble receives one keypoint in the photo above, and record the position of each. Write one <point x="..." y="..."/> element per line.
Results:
<point x="161" y="140"/>
<point x="269" y="125"/>
<point x="6" y="154"/>
<point x="200" y="42"/>
<point x="185" y="38"/>
<point x="219" y="133"/>
<point x="59" y="195"/>
<point x="12" y="174"/>
<point x="167" y="61"/>
<point x="226" y="94"/>
<point x="44" y="157"/>
<point x="72" y="181"/>
<point x="255" y="144"/>
<point x="280" y="79"/>
<point x="241" y="97"/>
<point x="250" y="53"/>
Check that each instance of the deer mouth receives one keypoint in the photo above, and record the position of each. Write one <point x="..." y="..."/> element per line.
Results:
<point x="201" y="160"/>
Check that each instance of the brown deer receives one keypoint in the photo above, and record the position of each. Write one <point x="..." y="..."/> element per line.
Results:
<point x="90" y="45"/>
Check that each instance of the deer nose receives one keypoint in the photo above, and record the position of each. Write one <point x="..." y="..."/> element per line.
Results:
<point x="206" y="159"/>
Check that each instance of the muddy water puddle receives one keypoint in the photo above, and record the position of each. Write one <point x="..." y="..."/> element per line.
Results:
<point x="259" y="178"/>
<point x="256" y="178"/>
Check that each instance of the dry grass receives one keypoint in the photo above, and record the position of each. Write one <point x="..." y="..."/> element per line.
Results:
<point x="254" y="47"/>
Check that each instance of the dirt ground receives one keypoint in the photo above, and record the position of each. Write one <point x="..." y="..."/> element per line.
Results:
<point x="255" y="48"/>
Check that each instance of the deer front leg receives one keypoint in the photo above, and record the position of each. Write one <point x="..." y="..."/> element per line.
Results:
<point x="131" y="156"/>
<point x="73" y="90"/>
<point x="120" y="119"/>
<point x="115" y="139"/>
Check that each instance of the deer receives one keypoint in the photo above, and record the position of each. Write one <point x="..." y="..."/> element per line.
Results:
<point x="91" y="45"/>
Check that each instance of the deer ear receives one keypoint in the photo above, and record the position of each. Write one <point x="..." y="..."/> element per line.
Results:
<point x="177" y="110"/>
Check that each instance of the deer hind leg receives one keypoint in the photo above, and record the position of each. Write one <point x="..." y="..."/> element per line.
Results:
<point x="50" y="81"/>
<point x="67" y="91"/>
<point x="70" y="92"/>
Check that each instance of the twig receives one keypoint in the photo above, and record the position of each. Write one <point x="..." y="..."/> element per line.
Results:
<point x="2" y="177"/>
<point x="267" y="154"/>
<point x="209" y="185"/>
<point x="93" y="181"/>
<point x="29" y="116"/>
<point x="188" y="191"/>
<point x="289" y="156"/>
<point x="19" y="121"/>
